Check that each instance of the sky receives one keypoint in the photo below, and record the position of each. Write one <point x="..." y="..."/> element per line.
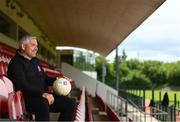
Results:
<point x="157" y="38"/>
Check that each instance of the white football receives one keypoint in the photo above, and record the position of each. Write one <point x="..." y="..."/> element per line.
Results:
<point x="62" y="86"/>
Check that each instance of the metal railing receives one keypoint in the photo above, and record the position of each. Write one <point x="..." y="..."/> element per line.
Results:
<point x="128" y="110"/>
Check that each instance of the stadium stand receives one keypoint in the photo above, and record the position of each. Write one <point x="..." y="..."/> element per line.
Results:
<point x="3" y="100"/>
<point x="12" y="106"/>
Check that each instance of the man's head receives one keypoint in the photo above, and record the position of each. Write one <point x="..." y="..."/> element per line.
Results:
<point x="28" y="46"/>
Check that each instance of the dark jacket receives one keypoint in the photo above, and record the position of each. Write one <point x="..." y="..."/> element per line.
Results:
<point x="28" y="76"/>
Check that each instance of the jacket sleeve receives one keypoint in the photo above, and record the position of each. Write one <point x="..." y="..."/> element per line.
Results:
<point x="49" y="80"/>
<point x="17" y="75"/>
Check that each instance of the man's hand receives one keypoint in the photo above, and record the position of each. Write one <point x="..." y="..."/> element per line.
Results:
<point x="70" y="80"/>
<point x="67" y="78"/>
<point x="49" y="97"/>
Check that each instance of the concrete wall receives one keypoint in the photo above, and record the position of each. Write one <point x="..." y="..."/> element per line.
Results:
<point x="92" y="85"/>
<point x="93" y="74"/>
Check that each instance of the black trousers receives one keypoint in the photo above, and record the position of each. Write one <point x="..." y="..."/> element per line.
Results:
<point x="41" y="108"/>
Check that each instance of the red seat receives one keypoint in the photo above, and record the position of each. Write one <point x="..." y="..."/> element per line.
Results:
<point x="11" y="102"/>
<point x="3" y="99"/>
<point x="8" y="83"/>
<point x="6" y="64"/>
<point x="2" y="70"/>
<point x="11" y="106"/>
<point x="16" y="107"/>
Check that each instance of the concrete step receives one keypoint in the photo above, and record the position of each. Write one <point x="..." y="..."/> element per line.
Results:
<point x="97" y="111"/>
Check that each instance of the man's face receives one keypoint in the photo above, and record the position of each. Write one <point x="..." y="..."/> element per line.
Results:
<point x="30" y="49"/>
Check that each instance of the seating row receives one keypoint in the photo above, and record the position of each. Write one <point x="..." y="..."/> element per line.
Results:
<point x="4" y="61"/>
<point x="12" y="104"/>
<point x="80" y="111"/>
<point x="83" y="112"/>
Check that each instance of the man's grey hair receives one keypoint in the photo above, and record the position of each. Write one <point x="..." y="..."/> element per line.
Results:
<point x="26" y="39"/>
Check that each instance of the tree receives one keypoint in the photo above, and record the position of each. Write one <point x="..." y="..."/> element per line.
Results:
<point x="110" y="76"/>
<point x="174" y="74"/>
<point x="110" y="73"/>
<point x="134" y="64"/>
<point x="136" y="79"/>
<point x="99" y="62"/>
<point x="124" y="56"/>
<point x="155" y="72"/>
<point x="121" y="58"/>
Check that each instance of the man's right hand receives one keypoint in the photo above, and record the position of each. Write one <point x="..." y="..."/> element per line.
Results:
<point x="49" y="97"/>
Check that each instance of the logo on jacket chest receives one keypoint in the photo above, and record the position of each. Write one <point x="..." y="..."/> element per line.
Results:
<point x="39" y="68"/>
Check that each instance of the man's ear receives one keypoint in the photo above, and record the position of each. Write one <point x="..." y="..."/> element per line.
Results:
<point x="23" y="47"/>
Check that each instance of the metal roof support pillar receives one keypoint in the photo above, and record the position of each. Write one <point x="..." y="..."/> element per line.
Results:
<point x="117" y="70"/>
